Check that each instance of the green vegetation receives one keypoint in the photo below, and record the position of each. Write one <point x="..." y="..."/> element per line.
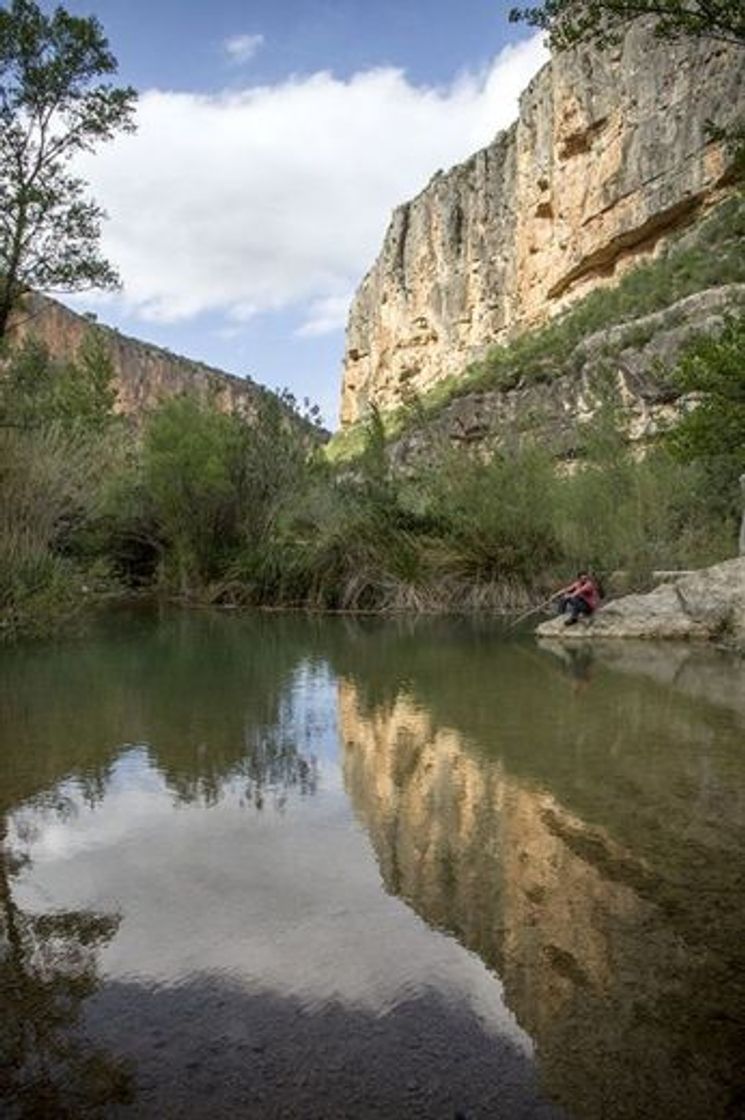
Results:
<point x="58" y="444"/>
<point x="53" y="106"/>
<point x="199" y="505"/>
<point x="569" y="22"/>
<point x="712" y="375"/>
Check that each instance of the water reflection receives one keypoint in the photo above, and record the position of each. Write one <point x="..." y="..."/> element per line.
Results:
<point x="618" y="931"/>
<point x="257" y="965"/>
<point x="48" y="969"/>
<point x="197" y="814"/>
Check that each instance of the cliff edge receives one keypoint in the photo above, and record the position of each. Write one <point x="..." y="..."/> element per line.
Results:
<point x="610" y="155"/>
<point x="144" y="374"/>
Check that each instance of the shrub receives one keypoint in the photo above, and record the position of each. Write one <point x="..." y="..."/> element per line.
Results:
<point x="36" y="391"/>
<point x="50" y="489"/>
<point x="214" y="486"/>
<point x="712" y="432"/>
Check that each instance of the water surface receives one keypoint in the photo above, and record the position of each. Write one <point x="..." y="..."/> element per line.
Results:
<point x="277" y="867"/>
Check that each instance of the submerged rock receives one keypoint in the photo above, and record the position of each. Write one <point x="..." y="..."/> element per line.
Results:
<point x="704" y="605"/>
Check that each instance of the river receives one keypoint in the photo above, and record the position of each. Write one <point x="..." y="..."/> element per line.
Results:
<point x="275" y="866"/>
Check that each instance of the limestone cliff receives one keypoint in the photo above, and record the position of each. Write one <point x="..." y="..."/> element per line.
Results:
<point x="609" y="156"/>
<point x="144" y="374"/>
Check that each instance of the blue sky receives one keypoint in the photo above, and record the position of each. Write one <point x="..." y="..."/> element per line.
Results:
<point x="274" y="140"/>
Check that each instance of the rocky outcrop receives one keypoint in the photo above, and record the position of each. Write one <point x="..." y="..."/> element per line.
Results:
<point x="625" y="362"/>
<point x="610" y="155"/>
<point x="144" y="374"/>
<point x="704" y="605"/>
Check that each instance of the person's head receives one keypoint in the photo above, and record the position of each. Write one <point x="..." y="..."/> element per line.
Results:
<point x="583" y="575"/>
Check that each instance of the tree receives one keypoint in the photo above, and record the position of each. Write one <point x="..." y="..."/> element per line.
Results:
<point x="77" y="394"/>
<point x="712" y="375"/>
<point x="575" y="21"/>
<point x="52" y="107"/>
<point x="48" y="969"/>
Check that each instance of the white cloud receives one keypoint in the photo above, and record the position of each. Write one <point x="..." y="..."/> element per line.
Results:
<point x="325" y="315"/>
<point x="242" y="48"/>
<point x="273" y="196"/>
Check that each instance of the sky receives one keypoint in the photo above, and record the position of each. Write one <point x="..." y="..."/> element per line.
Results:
<point x="274" y="141"/>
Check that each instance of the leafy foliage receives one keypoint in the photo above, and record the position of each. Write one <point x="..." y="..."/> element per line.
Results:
<point x="36" y="391"/>
<point x="59" y="445"/>
<point x="575" y="21"/>
<point x="52" y="108"/>
<point x="221" y="509"/>
<point x="214" y="485"/>
<point x="712" y="432"/>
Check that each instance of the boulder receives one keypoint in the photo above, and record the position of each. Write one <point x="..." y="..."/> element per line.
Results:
<point x="705" y="605"/>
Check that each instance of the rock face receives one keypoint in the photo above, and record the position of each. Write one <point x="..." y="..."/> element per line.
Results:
<point x="609" y="156"/>
<point x="144" y="374"/>
<point x="626" y="360"/>
<point x="707" y="605"/>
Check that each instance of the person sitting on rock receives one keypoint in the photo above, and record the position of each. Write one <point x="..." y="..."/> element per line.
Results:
<point x="580" y="598"/>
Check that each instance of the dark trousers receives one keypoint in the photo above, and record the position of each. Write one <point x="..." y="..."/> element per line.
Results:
<point x="574" y="606"/>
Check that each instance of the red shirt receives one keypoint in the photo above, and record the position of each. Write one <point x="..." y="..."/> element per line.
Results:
<point x="587" y="590"/>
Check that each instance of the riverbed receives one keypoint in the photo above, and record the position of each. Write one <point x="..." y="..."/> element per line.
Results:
<point x="276" y="866"/>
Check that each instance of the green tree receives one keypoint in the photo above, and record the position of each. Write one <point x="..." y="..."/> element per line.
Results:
<point x="53" y="106"/>
<point x="79" y="394"/>
<point x="191" y="458"/>
<point x="48" y="970"/>
<point x="575" y="21"/>
<point x="712" y="375"/>
<point x="215" y="484"/>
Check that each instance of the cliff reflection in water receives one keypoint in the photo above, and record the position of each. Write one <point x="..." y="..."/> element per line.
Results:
<point x="582" y="828"/>
<point x="192" y="920"/>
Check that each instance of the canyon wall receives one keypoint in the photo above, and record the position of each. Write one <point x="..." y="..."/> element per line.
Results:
<point x="144" y="374"/>
<point x="609" y="157"/>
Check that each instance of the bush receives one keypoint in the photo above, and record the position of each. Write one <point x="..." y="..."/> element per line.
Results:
<point x="497" y="516"/>
<point x="211" y="488"/>
<point x="712" y="432"/>
<point x="36" y="391"/>
<point x="50" y="490"/>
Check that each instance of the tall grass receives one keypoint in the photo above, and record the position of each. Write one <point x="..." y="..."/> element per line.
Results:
<point x="58" y="445"/>
<point x="50" y="488"/>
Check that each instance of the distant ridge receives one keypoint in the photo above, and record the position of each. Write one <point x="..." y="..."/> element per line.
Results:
<point x="145" y="374"/>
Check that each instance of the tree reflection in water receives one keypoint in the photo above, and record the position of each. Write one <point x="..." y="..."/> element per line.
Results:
<point x="48" y="969"/>
<point x="215" y="721"/>
<point x="577" y="823"/>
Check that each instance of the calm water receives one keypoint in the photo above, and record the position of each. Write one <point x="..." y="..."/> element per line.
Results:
<point x="271" y="867"/>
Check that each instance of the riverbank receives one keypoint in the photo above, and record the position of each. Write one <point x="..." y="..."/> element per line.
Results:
<point x="202" y="506"/>
<point x="707" y="605"/>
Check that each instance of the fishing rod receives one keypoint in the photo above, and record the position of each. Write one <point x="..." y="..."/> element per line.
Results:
<point x="534" y="610"/>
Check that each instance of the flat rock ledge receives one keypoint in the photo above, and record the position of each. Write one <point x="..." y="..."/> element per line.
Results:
<point x="708" y="605"/>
